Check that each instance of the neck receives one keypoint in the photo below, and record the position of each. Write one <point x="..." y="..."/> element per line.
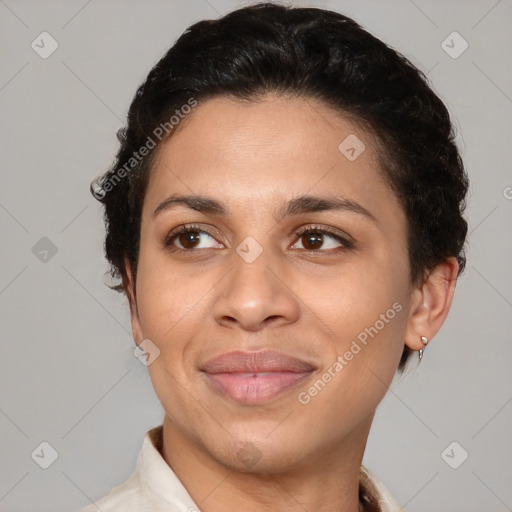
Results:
<point x="326" y="481"/>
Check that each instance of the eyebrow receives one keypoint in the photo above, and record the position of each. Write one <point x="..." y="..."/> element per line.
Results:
<point x="296" y="206"/>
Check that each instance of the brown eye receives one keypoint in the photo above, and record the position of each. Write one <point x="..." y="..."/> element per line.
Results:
<point x="322" y="240"/>
<point x="312" y="241"/>
<point x="189" y="238"/>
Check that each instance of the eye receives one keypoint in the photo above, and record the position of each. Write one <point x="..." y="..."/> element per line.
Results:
<point x="191" y="237"/>
<point x="314" y="238"/>
<point x="188" y="237"/>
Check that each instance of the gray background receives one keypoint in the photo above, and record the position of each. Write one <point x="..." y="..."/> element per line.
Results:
<point x="68" y="375"/>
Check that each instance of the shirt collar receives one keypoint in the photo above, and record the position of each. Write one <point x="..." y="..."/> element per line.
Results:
<point x="155" y="473"/>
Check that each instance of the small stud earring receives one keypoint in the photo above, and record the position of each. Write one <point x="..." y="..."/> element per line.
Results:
<point x="424" y="340"/>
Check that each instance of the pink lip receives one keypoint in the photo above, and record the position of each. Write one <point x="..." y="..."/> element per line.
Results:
<point x="255" y="377"/>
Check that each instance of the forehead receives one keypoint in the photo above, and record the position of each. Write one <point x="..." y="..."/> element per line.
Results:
<point x="247" y="152"/>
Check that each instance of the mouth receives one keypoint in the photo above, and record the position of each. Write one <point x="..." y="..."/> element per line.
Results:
<point x="253" y="378"/>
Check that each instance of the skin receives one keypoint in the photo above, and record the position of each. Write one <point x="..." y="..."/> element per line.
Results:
<point x="254" y="157"/>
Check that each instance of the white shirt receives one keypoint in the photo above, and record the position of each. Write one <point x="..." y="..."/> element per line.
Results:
<point x="154" y="486"/>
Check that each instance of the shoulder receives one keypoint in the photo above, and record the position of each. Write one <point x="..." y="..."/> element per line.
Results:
<point x="128" y="495"/>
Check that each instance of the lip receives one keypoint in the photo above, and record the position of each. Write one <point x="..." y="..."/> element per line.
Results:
<point x="254" y="378"/>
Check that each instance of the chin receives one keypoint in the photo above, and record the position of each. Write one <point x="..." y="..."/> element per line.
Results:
<point x="257" y="452"/>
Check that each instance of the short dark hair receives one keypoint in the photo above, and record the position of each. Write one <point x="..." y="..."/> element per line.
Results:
<point x="310" y="53"/>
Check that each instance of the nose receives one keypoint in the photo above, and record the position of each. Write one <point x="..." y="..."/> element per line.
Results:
<point x="255" y="295"/>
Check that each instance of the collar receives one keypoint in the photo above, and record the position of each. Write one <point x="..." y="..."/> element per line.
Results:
<point x="155" y="473"/>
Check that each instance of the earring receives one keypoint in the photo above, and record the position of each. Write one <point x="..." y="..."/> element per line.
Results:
<point x="424" y="340"/>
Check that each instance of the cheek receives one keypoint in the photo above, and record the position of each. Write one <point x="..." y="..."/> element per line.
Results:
<point x="356" y="298"/>
<point x="367" y="316"/>
<point x="174" y="309"/>
<point x="357" y="376"/>
<point x="165" y="296"/>
<point x="170" y="311"/>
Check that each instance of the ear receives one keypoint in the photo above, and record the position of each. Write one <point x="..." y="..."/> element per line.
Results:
<point x="431" y="303"/>
<point x="129" y="286"/>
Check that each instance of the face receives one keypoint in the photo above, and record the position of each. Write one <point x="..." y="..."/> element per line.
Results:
<point x="324" y="281"/>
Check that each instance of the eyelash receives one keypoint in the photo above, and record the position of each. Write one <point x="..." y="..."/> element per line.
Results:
<point x="347" y="244"/>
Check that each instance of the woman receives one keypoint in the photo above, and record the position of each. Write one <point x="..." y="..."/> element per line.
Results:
<point x="285" y="217"/>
